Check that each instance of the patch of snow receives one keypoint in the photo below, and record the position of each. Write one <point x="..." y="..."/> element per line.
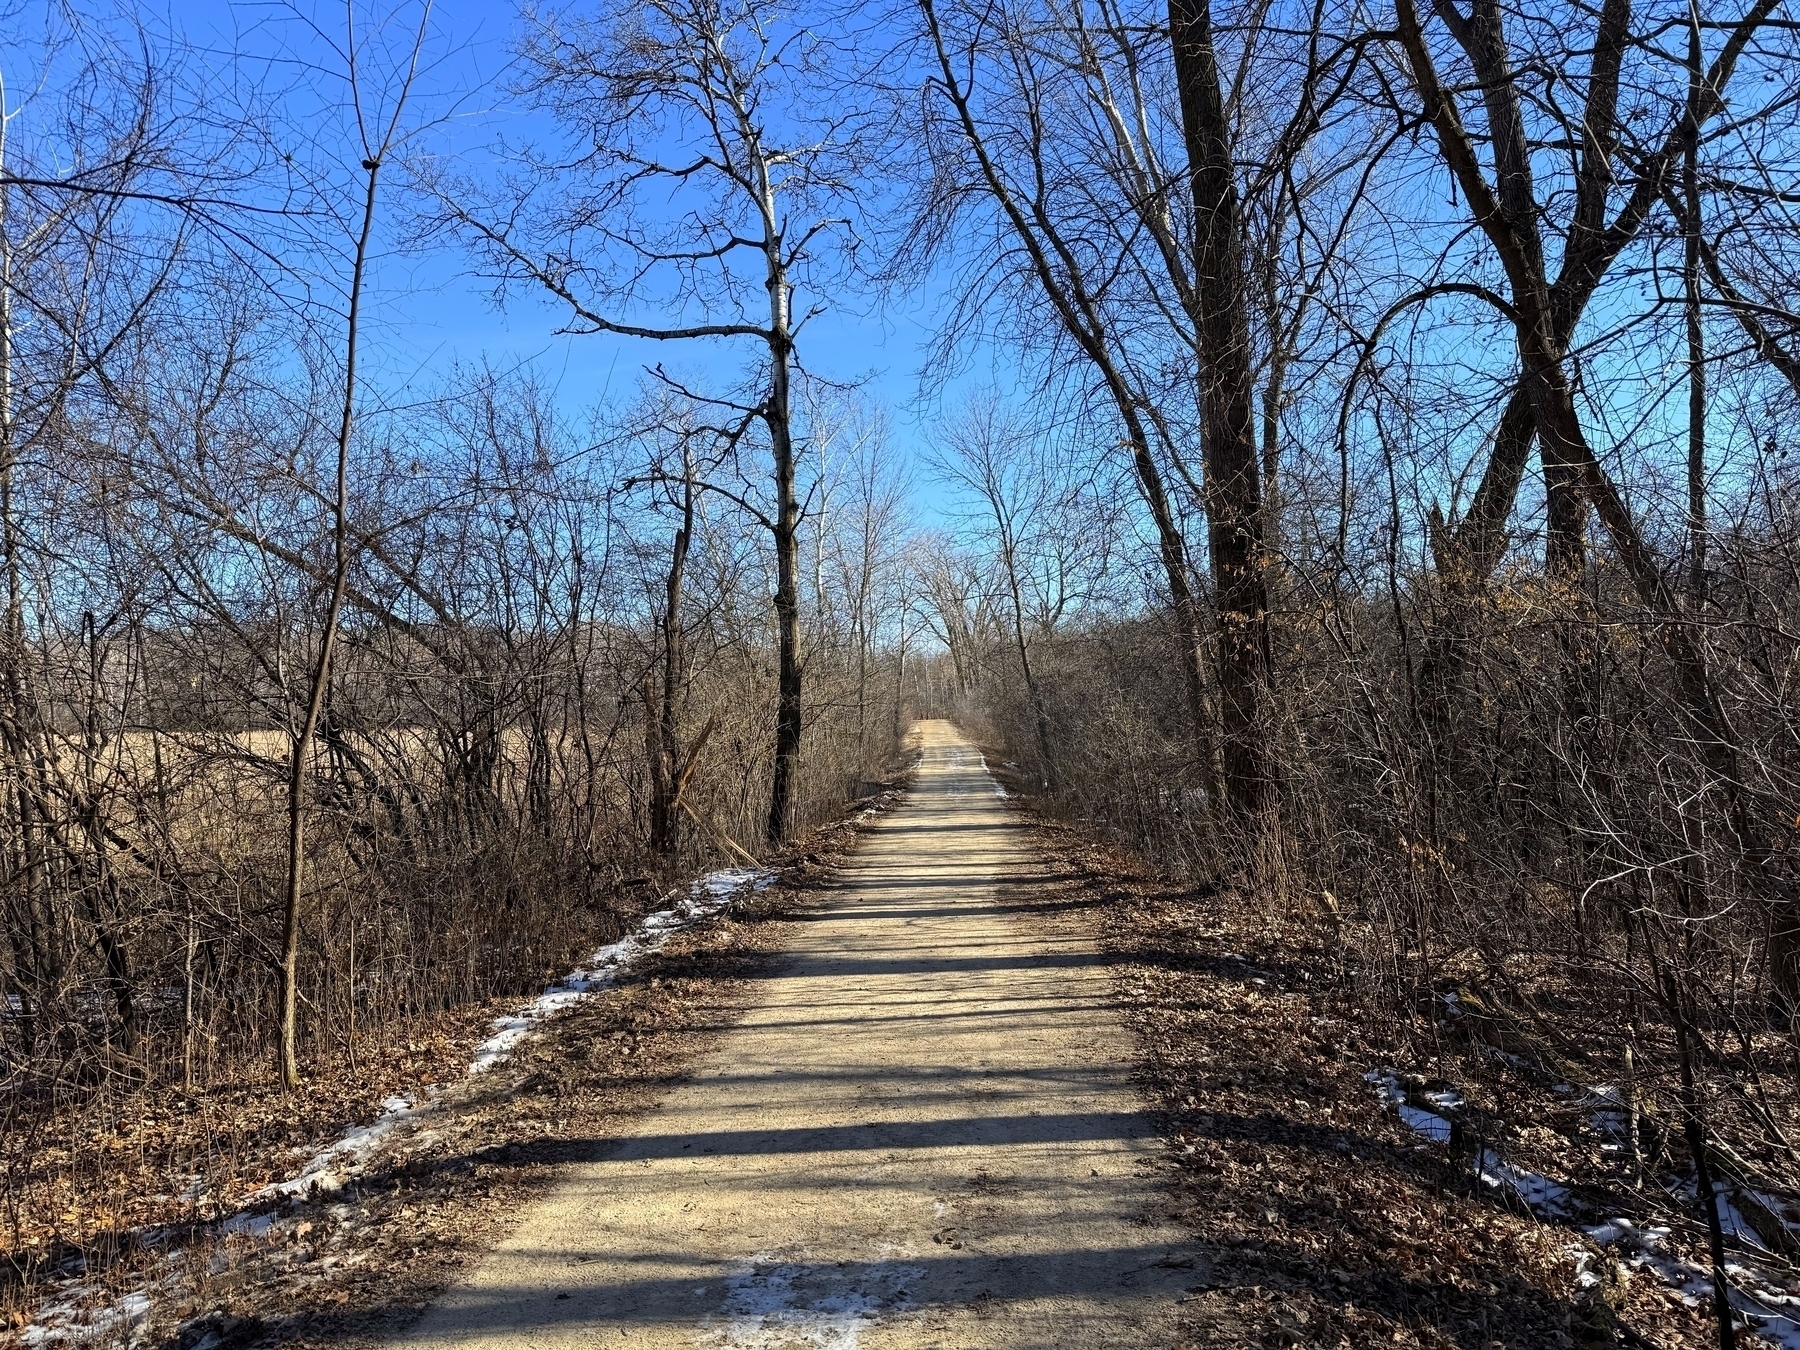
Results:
<point x="1584" y="1278"/>
<point x="326" y="1171"/>
<point x="1771" y="1312"/>
<point x="1386" y="1081"/>
<point x="321" y="1172"/>
<point x="771" y="1303"/>
<point x="247" y="1225"/>
<point x="1610" y="1115"/>
<point x="706" y="897"/>
<point x="1545" y="1198"/>
<point x="1434" y="1127"/>
<point x="1615" y="1229"/>
<point x="1393" y="1096"/>
<point x="994" y="782"/>
<point x="76" y="1322"/>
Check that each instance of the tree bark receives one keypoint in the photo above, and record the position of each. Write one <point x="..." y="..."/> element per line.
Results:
<point x="1231" y="460"/>
<point x="788" y="713"/>
<point x="661" y="732"/>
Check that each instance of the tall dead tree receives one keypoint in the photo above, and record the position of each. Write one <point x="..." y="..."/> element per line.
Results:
<point x="703" y="105"/>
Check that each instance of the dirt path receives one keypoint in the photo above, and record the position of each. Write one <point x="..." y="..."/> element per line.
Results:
<point x="924" y="1135"/>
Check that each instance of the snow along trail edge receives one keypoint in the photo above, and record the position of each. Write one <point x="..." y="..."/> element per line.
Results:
<point x="1757" y="1292"/>
<point x="81" y="1311"/>
<point x="712" y="893"/>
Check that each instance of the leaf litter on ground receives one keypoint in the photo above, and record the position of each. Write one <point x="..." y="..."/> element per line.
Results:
<point x="370" y="1224"/>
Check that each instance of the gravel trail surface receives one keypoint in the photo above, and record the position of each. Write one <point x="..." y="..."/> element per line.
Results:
<point x="924" y="1134"/>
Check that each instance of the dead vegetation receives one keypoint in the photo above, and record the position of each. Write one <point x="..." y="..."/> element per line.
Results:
<point x="355" y="1263"/>
<point x="1327" y="1219"/>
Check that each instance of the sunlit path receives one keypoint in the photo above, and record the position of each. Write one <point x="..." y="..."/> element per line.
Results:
<point x="923" y="1135"/>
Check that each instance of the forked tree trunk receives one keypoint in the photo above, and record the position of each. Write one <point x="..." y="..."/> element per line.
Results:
<point x="1233" y="471"/>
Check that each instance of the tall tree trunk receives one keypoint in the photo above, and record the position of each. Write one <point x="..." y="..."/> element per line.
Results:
<point x="1232" y="468"/>
<point x="300" y="764"/>
<point x="662" y="733"/>
<point x="776" y="413"/>
<point x="1696" y="342"/>
<point x="1274" y="390"/>
<point x="656" y="764"/>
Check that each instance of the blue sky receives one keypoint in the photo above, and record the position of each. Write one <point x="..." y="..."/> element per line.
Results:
<point x="430" y="313"/>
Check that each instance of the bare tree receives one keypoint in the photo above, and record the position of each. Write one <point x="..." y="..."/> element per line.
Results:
<point x="1542" y="309"/>
<point x="1032" y="518"/>
<point x="973" y="159"/>
<point x="378" y="104"/>
<point x="1233" y="477"/>
<point x="71" y="296"/>
<point x="708" y="105"/>
<point x="859" y="529"/>
<point x="1130" y="262"/>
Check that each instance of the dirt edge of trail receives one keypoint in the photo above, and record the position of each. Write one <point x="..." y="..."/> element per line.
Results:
<point x="1326" y="1222"/>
